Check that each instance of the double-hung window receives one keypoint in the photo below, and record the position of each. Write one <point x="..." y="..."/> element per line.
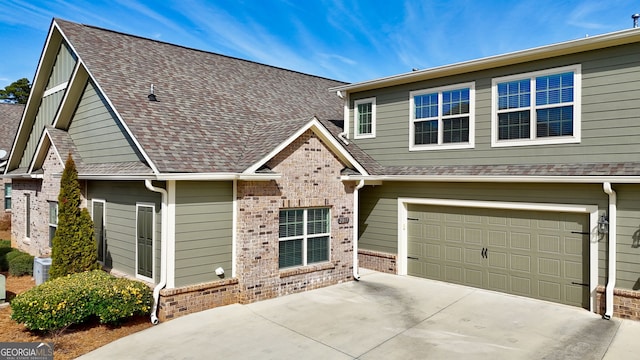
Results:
<point x="53" y="220"/>
<point x="364" y="118"/>
<point x="442" y="118"/>
<point x="7" y="196"/>
<point x="537" y="108"/>
<point x="304" y="237"/>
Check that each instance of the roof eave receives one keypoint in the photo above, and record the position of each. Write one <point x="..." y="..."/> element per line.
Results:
<point x="378" y="179"/>
<point x="569" y="47"/>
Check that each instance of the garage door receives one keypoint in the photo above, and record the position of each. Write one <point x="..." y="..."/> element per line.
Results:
<point x="542" y="255"/>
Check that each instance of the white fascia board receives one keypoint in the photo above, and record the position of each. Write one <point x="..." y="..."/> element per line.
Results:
<point x="217" y="176"/>
<point x="568" y="47"/>
<point x="500" y="179"/>
<point x="324" y="134"/>
<point x="122" y="177"/>
<point x="43" y="144"/>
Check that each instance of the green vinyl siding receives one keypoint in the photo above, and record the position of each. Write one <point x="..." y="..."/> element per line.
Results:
<point x="97" y="133"/>
<point x="204" y="225"/>
<point x="378" y="215"/>
<point x="610" y="103"/>
<point x="121" y="198"/>
<point x="628" y="236"/>
<point x="62" y="68"/>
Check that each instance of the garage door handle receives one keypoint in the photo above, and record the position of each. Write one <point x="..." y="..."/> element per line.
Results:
<point x="412" y="258"/>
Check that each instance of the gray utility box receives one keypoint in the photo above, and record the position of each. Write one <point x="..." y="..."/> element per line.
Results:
<point x="41" y="269"/>
<point x="3" y="289"/>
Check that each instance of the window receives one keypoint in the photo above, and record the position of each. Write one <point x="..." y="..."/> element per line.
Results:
<point x="442" y="118"/>
<point x="537" y="108"/>
<point x="7" y="196"/>
<point x="304" y="236"/>
<point x="53" y="221"/>
<point x="365" y="118"/>
<point x="27" y="215"/>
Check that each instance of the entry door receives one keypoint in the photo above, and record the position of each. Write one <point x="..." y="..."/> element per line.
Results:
<point x="145" y="241"/>
<point x="98" y="228"/>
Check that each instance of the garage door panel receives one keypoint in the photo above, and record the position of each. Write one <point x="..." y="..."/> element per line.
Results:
<point x="526" y="253"/>
<point x="549" y="267"/>
<point x="549" y="244"/>
<point x="415" y="267"/>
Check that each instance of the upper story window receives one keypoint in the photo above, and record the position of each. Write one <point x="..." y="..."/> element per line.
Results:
<point x="364" y="118"/>
<point x="542" y="107"/>
<point x="442" y="118"/>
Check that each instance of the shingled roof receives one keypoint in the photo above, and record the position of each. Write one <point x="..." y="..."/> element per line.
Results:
<point x="214" y="113"/>
<point x="10" y="115"/>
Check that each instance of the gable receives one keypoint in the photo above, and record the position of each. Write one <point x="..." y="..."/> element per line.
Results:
<point x="50" y="100"/>
<point x="96" y="132"/>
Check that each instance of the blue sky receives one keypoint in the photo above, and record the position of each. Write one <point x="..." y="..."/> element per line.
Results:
<point x="344" y="40"/>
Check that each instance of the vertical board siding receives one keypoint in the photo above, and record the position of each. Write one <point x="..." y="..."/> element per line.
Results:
<point x="63" y="67"/>
<point x="120" y="223"/>
<point x="610" y="104"/>
<point x="204" y="216"/>
<point x="97" y="133"/>
<point x="378" y="222"/>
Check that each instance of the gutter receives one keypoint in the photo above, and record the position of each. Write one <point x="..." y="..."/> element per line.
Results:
<point x="360" y="185"/>
<point x="612" y="249"/>
<point x="510" y="179"/>
<point x="163" y="250"/>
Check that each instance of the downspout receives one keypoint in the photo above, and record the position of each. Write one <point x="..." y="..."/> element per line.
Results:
<point x="612" y="249"/>
<point x="356" y="276"/>
<point x="163" y="250"/>
<point x="343" y="134"/>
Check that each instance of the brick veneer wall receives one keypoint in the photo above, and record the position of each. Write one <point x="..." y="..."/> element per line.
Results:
<point x="42" y="191"/>
<point x="310" y="178"/>
<point x="626" y="303"/>
<point x="378" y="261"/>
<point x="177" y="302"/>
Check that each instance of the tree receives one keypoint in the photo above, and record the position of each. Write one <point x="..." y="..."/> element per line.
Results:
<point x="18" y="91"/>
<point x="74" y="246"/>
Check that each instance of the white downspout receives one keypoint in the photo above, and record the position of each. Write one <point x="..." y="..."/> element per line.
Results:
<point x="356" y="276"/>
<point x="345" y="133"/>
<point x="612" y="249"/>
<point x="163" y="250"/>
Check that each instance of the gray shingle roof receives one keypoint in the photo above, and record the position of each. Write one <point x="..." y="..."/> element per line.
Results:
<point x="10" y="115"/>
<point x="214" y="113"/>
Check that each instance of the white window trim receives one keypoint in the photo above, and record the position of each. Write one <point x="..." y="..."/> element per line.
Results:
<point x="153" y="243"/>
<point x="7" y="197"/>
<point x="305" y="237"/>
<point x="104" y="224"/>
<point x="577" y="109"/>
<point x="356" y="118"/>
<point x="50" y="223"/>
<point x="443" y="146"/>
<point x="27" y="216"/>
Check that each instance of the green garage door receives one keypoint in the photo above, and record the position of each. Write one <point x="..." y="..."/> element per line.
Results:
<point x="542" y="255"/>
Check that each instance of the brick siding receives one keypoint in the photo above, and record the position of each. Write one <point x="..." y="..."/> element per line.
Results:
<point x="626" y="303"/>
<point x="378" y="261"/>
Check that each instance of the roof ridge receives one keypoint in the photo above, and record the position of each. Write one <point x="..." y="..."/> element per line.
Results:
<point x="58" y="20"/>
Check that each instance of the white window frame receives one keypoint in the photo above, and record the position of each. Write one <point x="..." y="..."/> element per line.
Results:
<point x="27" y="216"/>
<point x="7" y="196"/>
<point x="440" y="145"/>
<point x="356" y="119"/>
<point x="577" y="108"/>
<point x="305" y="236"/>
<point x="52" y="225"/>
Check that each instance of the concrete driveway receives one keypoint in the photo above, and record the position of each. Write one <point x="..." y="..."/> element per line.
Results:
<point x="385" y="317"/>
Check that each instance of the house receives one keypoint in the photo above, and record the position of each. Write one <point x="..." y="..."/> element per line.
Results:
<point x="10" y="115"/>
<point x="214" y="179"/>
<point x="219" y="180"/>
<point x="518" y="173"/>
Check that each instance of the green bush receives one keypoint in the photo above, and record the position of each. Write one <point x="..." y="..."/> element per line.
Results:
<point x="73" y="299"/>
<point x="4" y="263"/>
<point x="20" y="263"/>
<point x="5" y="243"/>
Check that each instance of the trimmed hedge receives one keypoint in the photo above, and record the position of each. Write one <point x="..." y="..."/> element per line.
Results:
<point x="20" y="263"/>
<point x="75" y="298"/>
<point x="4" y="263"/>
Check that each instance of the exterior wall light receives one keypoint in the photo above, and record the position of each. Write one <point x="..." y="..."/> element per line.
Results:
<point x="603" y="225"/>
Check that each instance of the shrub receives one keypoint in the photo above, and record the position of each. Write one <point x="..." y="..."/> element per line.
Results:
<point x="4" y="252"/>
<point x="74" y="248"/>
<point x="5" y="243"/>
<point x="73" y="299"/>
<point x="20" y="263"/>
